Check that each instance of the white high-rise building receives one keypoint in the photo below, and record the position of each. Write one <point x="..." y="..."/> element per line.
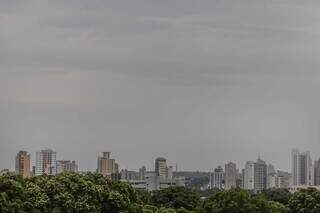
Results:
<point x="249" y="175"/>
<point x="301" y="167"/>
<point x="46" y="162"/>
<point x="217" y="178"/>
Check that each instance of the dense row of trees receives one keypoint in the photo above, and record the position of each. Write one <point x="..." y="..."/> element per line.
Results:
<point x="71" y="192"/>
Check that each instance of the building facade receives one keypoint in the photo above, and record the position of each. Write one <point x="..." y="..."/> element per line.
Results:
<point x="217" y="178"/>
<point x="142" y="173"/>
<point x="301" y="167"/>
<point x="154" y="182"/>
<point x="106" y="165"/>
<point x="46" y="162"/>
<point x="248" y="182"/>
<point x="66" y="166"/>
<point x="129" y="175"/>
<point x="161" y="167"/>
<point x="170" y="172"/>
<point x="283" y="179"/>
<point x="230" y="175"/>
<point x="317" y="172"/>
<point x="22" y="164"/>
<point x="260" y="175"/>
<point x="271" y="170"/>
<point x="272" y="181"/>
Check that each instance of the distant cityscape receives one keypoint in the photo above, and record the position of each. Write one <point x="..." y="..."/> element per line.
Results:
<point x="256" y="175"/>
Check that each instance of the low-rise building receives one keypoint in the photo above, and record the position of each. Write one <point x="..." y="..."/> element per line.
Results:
<point x="66" y="166"/>
<point x="154" y="182"/>
<point x="294" y="189"/>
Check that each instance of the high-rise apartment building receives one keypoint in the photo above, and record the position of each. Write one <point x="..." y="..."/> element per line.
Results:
<point x="217" y="178"/>
<point x="255" y="175"/>
<point x="248" y="182"/>
<point x="23" y="164"/>
<point x="46" y="162"/>
<point x="301" y="166"/>
<point x="66" y="166"/>
<point x="106" y="165"/>
<point x="317" y="172"/>
<point x="230" y="175"/>
<point x="260" y="175"/>
<point x="161" y="167"/>
<point x="240" y="179"/>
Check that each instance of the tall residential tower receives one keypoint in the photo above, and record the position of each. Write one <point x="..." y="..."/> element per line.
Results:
<point x="301" y="168"/>
<point x="217" y="178"/>
<point x="106" y="166"/>
<point x="161" y="167"/>
<point x="248" y="182"/>
<point x="317" y="172"/>
<point x="23" y="164"/>
<point x="46" y="162"/>
<point x="230" y="175"/>
<point x="260" y="175"/>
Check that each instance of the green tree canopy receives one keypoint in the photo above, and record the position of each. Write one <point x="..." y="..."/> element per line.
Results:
<point x="176" y="197"/>
<point x="240" y="201"/>
<point x="66" y="192"/>
<point x="280" y="195"/>
<point x="91" y="192"/>
<point x="305" y="201"/>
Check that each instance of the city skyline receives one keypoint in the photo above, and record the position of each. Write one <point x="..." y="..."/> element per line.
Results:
<point x="111" y="164"/>
<point x="200" y="83"/>
<point x="150" y="165"/>
<point x="256" y="176"/>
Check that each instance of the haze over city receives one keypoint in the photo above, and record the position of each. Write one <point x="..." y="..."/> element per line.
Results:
<point x="200" y="83"/>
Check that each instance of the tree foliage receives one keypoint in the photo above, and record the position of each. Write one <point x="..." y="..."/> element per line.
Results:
<point x="280" y="195"/>
<point x="67" y="192"/>
<point x="305" y="201"/>
<point x="176" y="197"/>
<point x="91" y="192"/>
<point x="240" y="201"/>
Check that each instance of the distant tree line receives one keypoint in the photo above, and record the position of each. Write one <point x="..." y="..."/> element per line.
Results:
<point x="91" y="192"/>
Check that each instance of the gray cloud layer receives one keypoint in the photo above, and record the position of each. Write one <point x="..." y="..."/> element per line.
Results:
<point x="199" y="82"/>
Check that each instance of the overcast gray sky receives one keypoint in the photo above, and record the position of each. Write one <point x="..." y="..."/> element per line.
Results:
<point x="199" y="82"/>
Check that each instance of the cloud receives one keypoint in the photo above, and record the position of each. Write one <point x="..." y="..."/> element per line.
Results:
<point x="159" y="78"/>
